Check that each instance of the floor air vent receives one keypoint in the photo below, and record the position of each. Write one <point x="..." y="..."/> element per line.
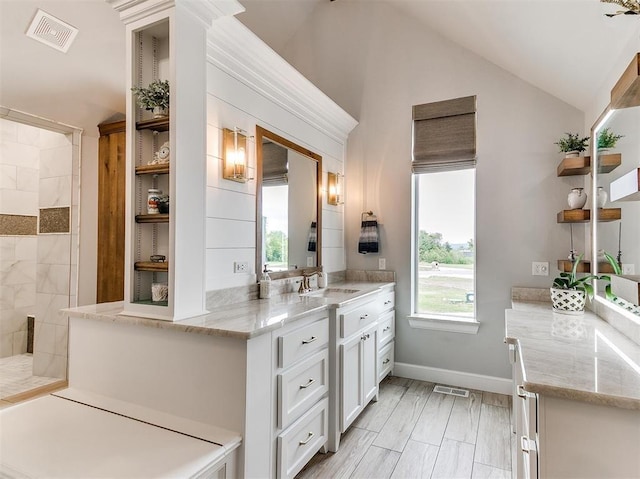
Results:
<point x="451" y="391"/>
<point x="51" y="31"/>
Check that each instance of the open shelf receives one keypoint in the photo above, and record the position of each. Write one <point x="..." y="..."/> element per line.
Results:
<point x="584" y="267"/>
<point x="151" y="266"/>
<point x="583" y="216"/>
<point x="581" y="165"/>
<point x="155" y="218"/>
<point x="153" y="169"/>
<point x="155" y="124"/>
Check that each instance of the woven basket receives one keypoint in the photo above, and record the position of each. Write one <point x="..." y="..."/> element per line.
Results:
<point x="568" y="301"/>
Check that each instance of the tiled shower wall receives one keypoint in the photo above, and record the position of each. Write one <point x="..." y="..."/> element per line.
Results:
<point x="36" y="265"/>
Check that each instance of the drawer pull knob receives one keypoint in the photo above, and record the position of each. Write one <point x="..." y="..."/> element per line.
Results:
<point x="364" y="316"/>
<point x="310" y="340"/>
<point x="305" y="386"/>
<point x="386" y="361"/>
<point x="364" y="337"/>
<point x="302" y="443"/>
<point x="387" y="302"/>
<point x="386" y="329"/>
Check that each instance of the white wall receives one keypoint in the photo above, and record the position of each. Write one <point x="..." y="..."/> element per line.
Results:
<point x="231" y="206"/>
<point x="376" y="63"/>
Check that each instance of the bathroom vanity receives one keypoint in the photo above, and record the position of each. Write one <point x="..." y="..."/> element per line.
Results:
<point x="576" y="400"/>
<point x="286" y="374"/>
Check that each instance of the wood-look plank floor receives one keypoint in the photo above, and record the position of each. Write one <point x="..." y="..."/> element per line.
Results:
<point x="412" y="432"/>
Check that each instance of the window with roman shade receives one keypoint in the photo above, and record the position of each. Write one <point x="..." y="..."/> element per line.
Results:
<point x="444" y="135"/>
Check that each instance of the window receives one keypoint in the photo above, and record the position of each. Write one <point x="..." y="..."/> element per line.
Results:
<point x="444" y="160"/>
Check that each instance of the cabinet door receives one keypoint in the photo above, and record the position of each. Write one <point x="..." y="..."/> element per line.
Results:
<point x="351" y="400"/>
<point x="369" y="363"/>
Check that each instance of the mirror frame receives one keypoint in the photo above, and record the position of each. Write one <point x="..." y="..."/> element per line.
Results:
<point x="274" y="137"/>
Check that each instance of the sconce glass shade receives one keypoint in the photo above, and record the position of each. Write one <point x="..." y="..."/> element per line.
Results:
<point x="334" y="188"/>
<point x="234" y="157"/>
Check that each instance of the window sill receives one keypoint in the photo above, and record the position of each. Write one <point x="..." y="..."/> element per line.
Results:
<point x="466" y="326"/>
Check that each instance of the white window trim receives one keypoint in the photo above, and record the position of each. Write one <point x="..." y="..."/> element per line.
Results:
<point x="434" y="322"/>
<point x="448" y="324"/>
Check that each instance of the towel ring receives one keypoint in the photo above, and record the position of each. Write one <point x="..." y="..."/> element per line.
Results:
<point x="368" y="215"/>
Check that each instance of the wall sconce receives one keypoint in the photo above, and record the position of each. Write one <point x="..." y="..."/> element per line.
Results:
<point x="234" y="155"/>
<point x="334" y="188"/>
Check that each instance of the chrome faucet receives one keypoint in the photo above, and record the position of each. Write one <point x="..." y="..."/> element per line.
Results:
<point x="304" y="282"/>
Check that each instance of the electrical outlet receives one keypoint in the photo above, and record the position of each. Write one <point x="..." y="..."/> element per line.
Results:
<point x="629" y="268"/>
<point x="241" y="267"/>
<point x="382" y="263"/>
<point x="309" y="261"/>
<point x="540" y="268"/>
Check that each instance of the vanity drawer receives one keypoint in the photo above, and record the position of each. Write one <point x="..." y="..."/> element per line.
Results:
<point x="298" y="444"/>
<point x="387" y="300"/>
<point x="386" y="328"/>
<point x="301" y="386"/>
<point x="302" y="342"/>
<point x="357" y="318"/>
<point x="386" y="360"/>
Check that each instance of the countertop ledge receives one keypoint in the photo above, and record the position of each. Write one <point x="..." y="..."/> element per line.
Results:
<point x="580" y="358"/>
<point x="244" y="320"/>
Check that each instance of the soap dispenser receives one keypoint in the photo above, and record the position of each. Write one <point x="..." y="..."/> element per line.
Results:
<point x="322" y="280"/>
<point x="265" y="284"/>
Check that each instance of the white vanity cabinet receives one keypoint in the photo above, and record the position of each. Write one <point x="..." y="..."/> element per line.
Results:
<point x="559" y="437"/>
<point x="302" y="383"/>
<point x="386" y="332"/>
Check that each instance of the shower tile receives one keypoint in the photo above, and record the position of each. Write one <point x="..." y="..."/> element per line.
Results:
<point x="17" y="225"/>
<point x="55" y="220"/>
<point x="7" y="248"/>
<point x="61" y="341"/>
<point x="50" y="365"/>
<point x="6" y="297"/>
<point x="6" y="346"/>
<point x="48" y="307"/>
<point x="53" y="278"/>
<point x="28" y="135"/>
<point x="17" y="272"/>
<point x="24" y="295"/>
<point x="8" y="131"/>
<point x="54" y="249"/>
<point x="27" y="179"/>
<point x="55" y="162"/>
<point x="45" y="338"/>
<point x="55" y="191"/>
<point x="52" y="139"/>
<point x="19" y="342"/>
<point x="8" y="177"/>
<point x="19" y="155"/>
<point x="26" y="248"/>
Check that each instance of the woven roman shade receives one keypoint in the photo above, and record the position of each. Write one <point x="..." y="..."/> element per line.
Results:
<point x="444" y="135"/>
<point x="274" y="164"/>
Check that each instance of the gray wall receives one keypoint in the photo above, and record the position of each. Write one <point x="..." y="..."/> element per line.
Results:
<point x="376" y="63"/>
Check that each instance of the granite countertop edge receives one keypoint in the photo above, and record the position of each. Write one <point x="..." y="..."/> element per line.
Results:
<point x="230" y="320"/>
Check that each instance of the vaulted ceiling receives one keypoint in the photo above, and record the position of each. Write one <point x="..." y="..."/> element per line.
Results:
<point x="565" y="47"/>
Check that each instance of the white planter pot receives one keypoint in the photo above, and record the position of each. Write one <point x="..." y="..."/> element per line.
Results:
<point x="602" y="197"/>
<point x="568" y="301"/>
<point x="572" y="154"/>
<point x="577" y="198"/>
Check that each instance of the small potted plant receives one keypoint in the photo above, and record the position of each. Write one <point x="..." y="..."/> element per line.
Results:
<point x="154" y="98"/>
<point x="607" y="140"/>
<point x="569" y="293"/>
<point x="572" y="145"/>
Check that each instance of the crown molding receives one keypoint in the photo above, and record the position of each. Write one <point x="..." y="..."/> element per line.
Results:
<point x="205" y="10"/>
<point x="236" y="50"/>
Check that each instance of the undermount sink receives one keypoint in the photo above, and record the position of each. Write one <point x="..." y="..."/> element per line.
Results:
<point x="329" y="292"/>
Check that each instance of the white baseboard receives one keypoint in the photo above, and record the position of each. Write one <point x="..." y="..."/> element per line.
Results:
<point x="454" y="378"/>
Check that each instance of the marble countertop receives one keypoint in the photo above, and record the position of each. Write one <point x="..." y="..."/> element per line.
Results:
<point x="243" y="320"/>
<point x="574" y="357"/>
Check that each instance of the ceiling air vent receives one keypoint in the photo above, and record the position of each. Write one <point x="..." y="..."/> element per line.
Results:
<point x="51" y="31"/>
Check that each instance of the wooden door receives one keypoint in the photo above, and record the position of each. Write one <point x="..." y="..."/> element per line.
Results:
<point x="111" y="208"/>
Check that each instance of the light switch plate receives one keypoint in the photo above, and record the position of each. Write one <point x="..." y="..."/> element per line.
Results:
<point x="540" y="268"/>
<point x="382" y="263"/>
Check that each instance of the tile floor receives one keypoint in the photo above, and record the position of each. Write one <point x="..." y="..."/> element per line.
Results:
<point x="16" y="375"/>
<point x="412" y="432"/>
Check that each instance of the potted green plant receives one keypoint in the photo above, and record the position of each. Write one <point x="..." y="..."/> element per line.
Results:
<point x="154" y="97"/>
<point x="572" y="144"/>
<point x="607" y="139"/>
<point x="569" y="293"/>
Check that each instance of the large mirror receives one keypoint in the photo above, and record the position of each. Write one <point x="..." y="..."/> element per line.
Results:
<point x="616" y="230"/>
<point x="288" y="213"/>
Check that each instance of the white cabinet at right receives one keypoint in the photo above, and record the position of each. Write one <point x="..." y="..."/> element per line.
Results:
<point x="558" y="437"/>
